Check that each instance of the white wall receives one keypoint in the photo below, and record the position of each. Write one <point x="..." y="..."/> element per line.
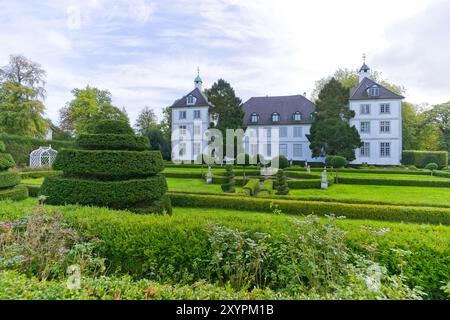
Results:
<point x="375" y="137"/>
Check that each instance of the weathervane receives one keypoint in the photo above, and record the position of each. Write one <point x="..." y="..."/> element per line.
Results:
<point x="198" y="71"/>
<point x="364" y="58"/>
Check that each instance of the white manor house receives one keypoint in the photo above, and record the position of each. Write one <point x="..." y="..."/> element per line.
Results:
<point x="378" y="118"/>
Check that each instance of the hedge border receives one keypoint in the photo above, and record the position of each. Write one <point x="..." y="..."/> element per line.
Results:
<point x="353" y="211"/>
<point x="122" y="194"/>
<point x="109" y="164"/>
<point x="112" y="142"/>
<point x="38" y="174"/>
<point x="395" y="182"/>
<point x="16" y="194"/>
<point x="9" y="179"/>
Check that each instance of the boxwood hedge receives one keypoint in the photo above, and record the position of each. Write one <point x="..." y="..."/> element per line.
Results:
<point x="421" y="158"/>
<point x="9" y="179"/>
<point x="444" y="183"/>
<point x="6" y="161"/>
<point x="114" y="194"/>
<point x="16" y="193"/>
<point x="112" y="142"/>
<point x="109" y="164"/>
<point x="356" y="211"/>
<point x="251" y="187"/>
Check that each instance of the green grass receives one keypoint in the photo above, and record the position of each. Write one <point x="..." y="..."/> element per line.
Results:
<point x="194" y="185"/>
<point x="379" y="194"/>
<point x="37" y="181"/>
<point x="390" y="176"/>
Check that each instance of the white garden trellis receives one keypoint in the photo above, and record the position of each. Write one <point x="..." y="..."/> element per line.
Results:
<point x="42" y="157"/>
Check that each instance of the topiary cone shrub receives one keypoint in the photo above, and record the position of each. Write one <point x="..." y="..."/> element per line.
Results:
<point x="230" y="185"/>
<point x="9" y="181"/>
<point x="111" y="169"/>
<point x="281" y="183"/>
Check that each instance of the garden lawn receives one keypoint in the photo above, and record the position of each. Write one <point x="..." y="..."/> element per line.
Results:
<point x="192" y="185"/>
<point x="390" y="176"/>
<point x="37" y="181"/>
<point x="377" y="194"/>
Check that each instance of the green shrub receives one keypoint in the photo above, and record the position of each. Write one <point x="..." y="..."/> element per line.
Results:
<point x="112" y="127"/>
<point x="355" y="211"/>
<point x="33" y="190"/>
<point x="432" y="166"/>
<point x="20" y="147"/>
<point x="229" y="183"/>
<point x="16" y="193"/>
<point x="109" y="164"/>
<point x="114" y="194"/>
<point x="251" y="187"/>
<point x="112" y="142"/>
<point x="328" y="160"/>
<point x="283" y="162"/>
<point x="443" y="174"/>
<point x="9" y="179"/>
<point x="266" y="188"/>
<point x="338" y="162"/>
<point x="421" y="158"/>
<point x="396" y="182"/>
<point x="6" y="161"/>
<point x="2" y="146"/>
<point x="281" y="184"/>
<point x="301" y="175"/>
<point x="308" y="184"/>
<point x="38" y="174"/>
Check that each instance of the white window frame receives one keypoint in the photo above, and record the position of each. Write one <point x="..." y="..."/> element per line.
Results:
<point x="385" y="149"/>
<point x="275" y="117"/>
<point x="254" y="118"/>
<point x="182" y="115"/>
<point x="367" y="127"/>
<point x="298" y="132"/>
<point x="285" y="147"/>
<point x="364" y="151"/>
<point x="297" y="114"/>
<point x="298" y="147"/>
<point x="190" y="100"/>
<point x="197" y="148"/>
<point x="197" y="112"/>
<point x="385" y="108"/>
<point x="374" y="91"/>
<point x="385" y="125"/>
<point x="197" y="129"/>
<point x="268" y="149"/>
<point x="283" y="131"/>
<point x="364" y="108"/>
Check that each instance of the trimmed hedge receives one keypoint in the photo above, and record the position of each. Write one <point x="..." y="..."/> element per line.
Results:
<point x="266" y="188"/>
<point x="354" y="211"/>
<point x="112" y="127"/>
<point x="20" y="147"/>
<point x="374" y="171"/>
<point x="115" y="194"/>
<point x="17" y="193"/>
<point x="308" y="184"/>
<point x="251" y="187"/>
<point x="6" y="161"/>
<point x="38" y="174"/>
<point x="396" y="182"/>
<point x="112" y="142"/>
<point x="109" y="164"/>
<point x="9" y="179"/>
<point x="301" y="175"/>
<point x="33" y="190"/>
<point x="421" y="158"/>
<point x="444" y="174"/>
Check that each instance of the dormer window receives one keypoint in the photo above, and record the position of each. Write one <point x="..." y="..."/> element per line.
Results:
<point x="275" y="117"/>
<point x="373" y="91"/>
<point x="254" y="118"/>
<point x="190" y="100"/>
<point x="297" y="116"/>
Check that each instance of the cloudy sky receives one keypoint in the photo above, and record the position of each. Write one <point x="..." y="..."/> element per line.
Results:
<point x="146" y="51"/>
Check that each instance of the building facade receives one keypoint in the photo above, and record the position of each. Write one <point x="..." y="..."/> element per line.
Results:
<point x="279" y="125"/>
<point x="190" y="120"/>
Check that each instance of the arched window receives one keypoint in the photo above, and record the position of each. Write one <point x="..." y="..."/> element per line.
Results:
<point x="254" y="117"/>
<point x="297" y="116"/>
<point x="190" y="100"/>
<point x="275" y="117"/>
<point x="373" y="91"/>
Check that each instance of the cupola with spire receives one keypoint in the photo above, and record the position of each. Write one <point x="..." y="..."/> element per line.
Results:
<point x="364" y="71"/>
<point x="198" y="81"/>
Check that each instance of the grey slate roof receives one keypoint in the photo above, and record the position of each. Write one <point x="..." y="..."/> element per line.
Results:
<point x="286" y="106"/>
<point x="364" y="67"/>
<point x="360" y="91"/>
<point x="202" y="100"/>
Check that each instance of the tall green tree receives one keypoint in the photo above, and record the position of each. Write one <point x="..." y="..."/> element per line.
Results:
<point x="89" y="106"/>
<point x="22" y="94"/>
<point x="226" y="104"/>
<point x="146" y="120"/>
<point x="439" y="116"/>
<point x="330" y="132"/>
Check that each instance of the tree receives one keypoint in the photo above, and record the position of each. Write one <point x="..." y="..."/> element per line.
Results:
<point x="281" y="184"/>
<point x="338" y="162"/>
<point x="439" y="116"/>
<point x="26" y="73"/>
<point x="158" y="141"/>
<point x="166" y="129"/>
<point x="20" y="113"/>
<point x="90" y="106"/>
<point x="146" y="121"/>
<point x="229" y="185"/>
<point x="350" y="79"/>
<point x="330" y="131"/>
<point x="226" y="105"/>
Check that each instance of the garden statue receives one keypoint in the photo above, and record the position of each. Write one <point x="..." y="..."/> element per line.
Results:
<point x="306" y="164"/>
<point x="324" y="184"/>
<point x="308" y="169"/>
<point x="209" y="176"/>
